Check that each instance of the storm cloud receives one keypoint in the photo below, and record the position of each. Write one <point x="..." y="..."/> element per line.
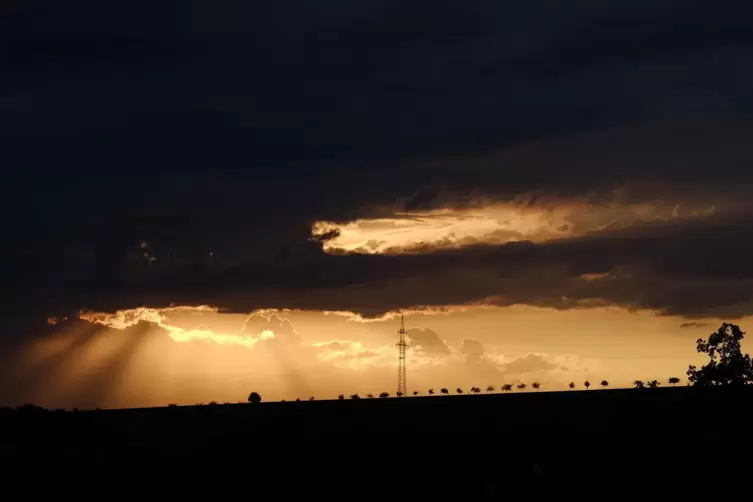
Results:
<point x="220" y="134"/>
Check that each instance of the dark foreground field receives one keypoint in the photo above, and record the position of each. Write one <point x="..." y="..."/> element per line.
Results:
<point x="469" y="445"/>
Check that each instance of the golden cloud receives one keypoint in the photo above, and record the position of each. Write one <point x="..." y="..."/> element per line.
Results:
<point x="493" y="223"/>
<point x="124" y="319"/>
<point x="427" y="310"/>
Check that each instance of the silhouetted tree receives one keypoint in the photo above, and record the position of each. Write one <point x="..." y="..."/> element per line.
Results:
<point x="476" y="390"/>
<point x="727" y="364"/>
<point x="673" y="381"/>
<point x="370" y="395"/>
<point x="254" y="398"/>
<point x="297" y="400"/>
<point x="507" y="387"/>
<point x="586" y="384"/>
<point x="384" y="394"/>
<point x="355" y="396"/>
<point x="521" y="386"/>
<point x="653" y="384"/>
<point x="604" y="384"/>
<point x="491" y="388"/>
<point x="415" y="393"/>
<point x="444" y="390"/>
<point x="212" y="403"/>
<point x="459" y="390"/>
<point x="341" y="397"/>
<point x="536" y="385"/>
<point x="311" y="398"/>
<point x="571" y="385"/>
<point x="399" y="394"/>
<point x="638" y="384"/>
<point x="431" y="392"/>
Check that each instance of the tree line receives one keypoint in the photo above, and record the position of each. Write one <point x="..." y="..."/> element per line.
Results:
<point x="638" y="384"/>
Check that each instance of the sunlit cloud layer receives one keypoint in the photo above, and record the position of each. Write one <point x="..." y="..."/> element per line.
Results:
<point x="427" y="310"/>
<point x="124" y="319"/>
<point x="494" y="223"/>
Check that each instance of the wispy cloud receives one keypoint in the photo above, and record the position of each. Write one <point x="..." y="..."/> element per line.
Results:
<point x="695" y="324"/>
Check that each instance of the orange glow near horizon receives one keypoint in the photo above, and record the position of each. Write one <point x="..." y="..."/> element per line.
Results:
<point x="124" y="359"/>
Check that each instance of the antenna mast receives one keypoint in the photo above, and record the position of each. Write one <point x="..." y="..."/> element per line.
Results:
<point x="402" y="382"/>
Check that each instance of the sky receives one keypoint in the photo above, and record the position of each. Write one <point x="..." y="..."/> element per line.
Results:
<point x="547" y="191"/>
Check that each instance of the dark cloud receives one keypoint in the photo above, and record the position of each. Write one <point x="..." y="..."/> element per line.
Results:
<point x="427" y="341"/>
<point x="671" y="267"/>
<point x="218" y="134"/>
<point x="529" y="363"/>
<point x="472" y="348"/>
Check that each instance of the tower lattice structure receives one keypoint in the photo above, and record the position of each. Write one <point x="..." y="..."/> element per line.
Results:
<point x="402" y="345"/>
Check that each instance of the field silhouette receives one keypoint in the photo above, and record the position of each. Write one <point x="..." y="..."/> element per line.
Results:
<point x="466" y="444"/>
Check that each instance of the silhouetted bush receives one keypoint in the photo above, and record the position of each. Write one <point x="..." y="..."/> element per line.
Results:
<point x="31" y="408"/>
<point x="254" y="398"/>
